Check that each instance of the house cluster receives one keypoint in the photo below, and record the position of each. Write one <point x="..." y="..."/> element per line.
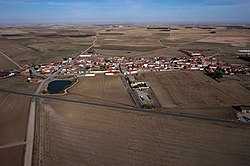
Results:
<point x="242" y="113"/>
<point x="141" y="90"/>
<point x="46" y="69"/>
<point x="90" y="64"/>
<point x="5" y="74"/>
<point x="227" y="69"/>
<point x="115" y="65"/>
<point x="163" y="64"/>
<point x="191" y="53"/>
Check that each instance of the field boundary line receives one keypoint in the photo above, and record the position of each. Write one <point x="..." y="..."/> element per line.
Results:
<point x="159" y="41"/>
<point x="10" y="59"/>
<point x="12" y="145"/>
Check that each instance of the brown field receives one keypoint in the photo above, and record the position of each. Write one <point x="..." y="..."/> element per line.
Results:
<point x="14" y="116"/>
<point x="101" y="89"/>
<point x="12" y="156"/>
<point x="234" y="41"/>
<point x="137" y="41"/>
<point x="42" y="50"/>
<point x="71" y="134"/>
<point x="128" y="53"/>
<point x="74" y="134"/>
<point x="132" y="48"/>
<point x="43" y="44"/>
<point x="184" y="89"/>
<point x="17" y="83"/>
<point x="243" y="80"/>
<point x="20" y="54"/>
<point x="14" y="111"/>
<point x="141" y="42"/>
<point x="228" y="41"/>
<point x="6" y="64"/>
<point x="113" y="53"/>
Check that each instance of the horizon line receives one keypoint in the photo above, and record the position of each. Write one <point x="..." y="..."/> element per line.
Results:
<point x="128" y="23"/>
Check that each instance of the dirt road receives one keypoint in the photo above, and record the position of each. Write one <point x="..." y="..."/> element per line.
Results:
<point x="6" y="56"/>
<point x="32" y="114"/>
<point x="31" y="123"/>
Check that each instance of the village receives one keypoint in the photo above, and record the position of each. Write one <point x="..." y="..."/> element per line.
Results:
<point x="90" y="64"/>
<point x="124" y="82"/>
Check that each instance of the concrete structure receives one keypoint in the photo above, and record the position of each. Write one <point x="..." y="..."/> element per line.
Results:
<point x="4" y="74"/>
<point x="144" y="97"/>
<point x="131" y="79"/>
<point x="85" y="56"/>
<point x="242" y="113"/>
<point x="242" y="109"/>
<point x="89" y="75"/>
<point x="139" y="85"/>
<point x="244" y="51"/>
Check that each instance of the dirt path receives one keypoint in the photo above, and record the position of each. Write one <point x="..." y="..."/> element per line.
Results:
<point x="163" y="44"/>
<point x="10" y="59"/>
<point x="214" y="55"/>
<point x="32" y="115"/>
<point x="12" y="145"/>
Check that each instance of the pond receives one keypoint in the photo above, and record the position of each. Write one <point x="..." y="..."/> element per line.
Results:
<point x="58" y="86"/>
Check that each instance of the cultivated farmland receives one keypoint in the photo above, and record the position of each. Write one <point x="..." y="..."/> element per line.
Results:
<point x="14" y="112"/>
<point x="134" y="42"/>
<point x="68" y="133"/>
<point x="44" y="44"/>
<point x="184" y="89"/>
<point x="101" y="89"/>
<point x="71" y="134"/>
<point x="12" y="156"/>
<point x="6" y="64"/>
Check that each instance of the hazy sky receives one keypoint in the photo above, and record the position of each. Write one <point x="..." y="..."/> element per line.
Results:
<point x="124" y="11"/>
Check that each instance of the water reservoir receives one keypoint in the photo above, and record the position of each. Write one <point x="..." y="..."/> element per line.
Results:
<point x="58" y="86"/>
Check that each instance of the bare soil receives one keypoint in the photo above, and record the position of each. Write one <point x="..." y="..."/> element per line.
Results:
<point x="6" y="64"/>
<point x="18" y="83"/>
<point x="101" y="89"/>
<point x="14" y="112"/>
<point x="14" y="117"/>
<point x="12" y="156"/>
<point x="184" y="89"/>
<point x="43" y="44"/>
<point x="129" y="48"/>
<point x="72" y="134"/>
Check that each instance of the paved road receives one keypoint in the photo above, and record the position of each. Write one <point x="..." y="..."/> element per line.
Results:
<point x="193" y="117"/>
<point x="31" y="122"/>
<point x="6" y="56"/>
